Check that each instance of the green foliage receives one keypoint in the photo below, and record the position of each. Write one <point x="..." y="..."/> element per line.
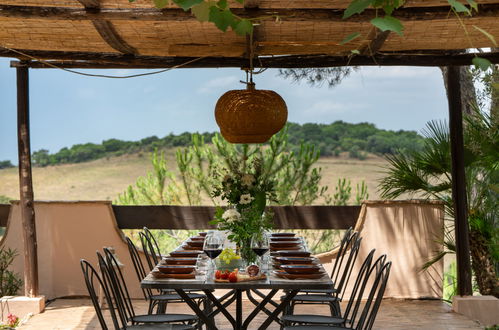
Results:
<point x="427" y="173"/>
<point x="216" y="12"/>
<point x="329" y="139"/>
<point x="343" y="192"/>
<point x="4" y="199"/>
<point x="361" y="194"/>
<point x="386" y="23"/>
<point x="318" y="76"/>
<point x="450" y="283"/>
<point x="10" y="283"/>
<point x="5" y="164"/>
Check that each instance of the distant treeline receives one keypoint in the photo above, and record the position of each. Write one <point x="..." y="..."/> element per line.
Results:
<point x="331" y="139"/>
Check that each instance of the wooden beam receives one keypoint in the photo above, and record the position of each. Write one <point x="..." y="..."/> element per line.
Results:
<point x="375" y="40"/>
<point x="106" y="29"/>
<point x="90" y="4"/>
<point x="26" y="185"/>
<point x="459" y="181"/>
<point x="114" y="61"/>
<point x="177" y="14"/>
<point x="197" y="217"/>
<point x="112" y="38"/>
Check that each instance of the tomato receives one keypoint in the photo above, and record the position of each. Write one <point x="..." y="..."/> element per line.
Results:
<point x="225" y="275"/>
<point x="218" y="274"/>
<point x="233" y="277"/>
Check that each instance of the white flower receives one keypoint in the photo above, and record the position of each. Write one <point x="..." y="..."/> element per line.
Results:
<point x="245" y="199"/>
<point x="248" y="180"/>
<point x="231" y="215"/>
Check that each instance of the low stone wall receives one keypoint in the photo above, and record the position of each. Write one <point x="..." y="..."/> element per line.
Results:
<point x="69" y="231"/>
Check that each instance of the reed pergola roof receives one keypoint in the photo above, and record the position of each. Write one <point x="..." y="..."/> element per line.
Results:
<point x="117" y="33"/>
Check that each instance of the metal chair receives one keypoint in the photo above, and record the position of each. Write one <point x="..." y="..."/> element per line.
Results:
<point x="354" y="317"/>
<point x="340" y="276"/>
<point x="158" y="299"/>
<point x="112" y="275"/>
<point x="93" y="281"/>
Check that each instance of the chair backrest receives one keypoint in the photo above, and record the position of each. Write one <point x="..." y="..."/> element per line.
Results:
<point x="360" y="281"/>
<point x="373" y="302"/>
<point x="119" y="279"/>
<point x="372" y="279"/>
<point x="151" y="237"/>
<point x="346" y="263"/>
<point x="341" y="251"/>
<point x="93" y="281"/>
<point x="140" y="271"/>
<point x="152" y="256"/>
<point x="124" y="311"/>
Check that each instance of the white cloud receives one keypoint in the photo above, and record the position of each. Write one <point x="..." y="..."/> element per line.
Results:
<point x="220" y="83"/>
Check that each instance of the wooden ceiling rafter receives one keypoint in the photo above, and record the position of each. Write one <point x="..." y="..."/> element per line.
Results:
<point x="285" y="14"/>
<point x="106" y="29"/>
<point x="375" y="40"/>
<point x="116" y="61"/>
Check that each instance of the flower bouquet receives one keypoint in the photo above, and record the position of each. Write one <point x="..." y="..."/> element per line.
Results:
<point x="246" y="189"/>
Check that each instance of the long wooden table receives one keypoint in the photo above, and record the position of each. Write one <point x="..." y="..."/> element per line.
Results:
<point x="207" y="285"/>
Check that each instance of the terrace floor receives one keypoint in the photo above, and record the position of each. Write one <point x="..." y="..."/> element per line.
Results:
<point x="394" y="314"/>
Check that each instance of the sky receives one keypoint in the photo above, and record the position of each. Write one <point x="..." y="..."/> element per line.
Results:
<point x="67" y="108"/>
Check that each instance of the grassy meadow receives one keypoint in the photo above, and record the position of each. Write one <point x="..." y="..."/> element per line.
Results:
<point x="105" y="178"/>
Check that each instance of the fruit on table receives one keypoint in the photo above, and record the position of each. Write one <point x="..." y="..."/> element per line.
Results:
<point x="233" y="276"/>
<point x="225" y="275"/>
<point x="228" y="255"/>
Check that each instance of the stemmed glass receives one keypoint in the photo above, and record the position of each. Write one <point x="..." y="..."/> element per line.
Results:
<point x="212" y="246"/>
<point x="260" y="245"/>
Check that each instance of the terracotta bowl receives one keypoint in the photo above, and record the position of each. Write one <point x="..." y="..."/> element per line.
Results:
<point x="198" y="244"/>
<point x="203" y="233"/>
<point x="293" y="253"/>
<point x="283" y="244"/>
<point x="301" y="269"/>
<point x="176" y="269"/>
<point x="185" y="253"/>
<point x="179" y="261"/>
<point x="294" y="260"/>
<point x="283" y="274"/>
<point x="282" y="235"/>
<point x="197" y="238"/>
<point x="284" y="239"/>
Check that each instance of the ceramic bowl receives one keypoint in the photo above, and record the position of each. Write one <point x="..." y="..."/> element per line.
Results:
<point x="185" y="253"/>
<point x="284" y="239"/>
<point x="293" y="253"/>
<point x="283" y="244"/>
<point x="282" y="235"/>
<point x="179" y="261"/>
<point x="176" y="269"/>
<point x="301" y="268"/>
<point x="294" y="260"/>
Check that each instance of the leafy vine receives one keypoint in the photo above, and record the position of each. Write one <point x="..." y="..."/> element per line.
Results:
<point x="220" y="14"/>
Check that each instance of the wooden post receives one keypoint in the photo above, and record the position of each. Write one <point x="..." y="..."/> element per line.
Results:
<point x="459" y="181"/>
<point x="26" y="185"/>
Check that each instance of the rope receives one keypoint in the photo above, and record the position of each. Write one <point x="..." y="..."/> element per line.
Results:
<point x="102" y="75"/>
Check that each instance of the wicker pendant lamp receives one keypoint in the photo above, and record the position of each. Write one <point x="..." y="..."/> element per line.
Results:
<point x="250" y="115"/>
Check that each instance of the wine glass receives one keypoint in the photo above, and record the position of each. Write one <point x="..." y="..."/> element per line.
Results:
<point x="213" y="247"/>
<point x="260" y="245"/>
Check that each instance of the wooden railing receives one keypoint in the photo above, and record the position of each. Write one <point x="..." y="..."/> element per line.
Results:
<point x="197" y="217"/>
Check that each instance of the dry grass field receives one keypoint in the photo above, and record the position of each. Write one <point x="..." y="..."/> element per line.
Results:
<point x="104" y="179"/>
